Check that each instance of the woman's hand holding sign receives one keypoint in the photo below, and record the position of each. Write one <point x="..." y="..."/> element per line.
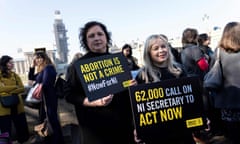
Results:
<point x="99" y="102"/>
<point x="106" y="100"/>
<point x="136" y="139"/>
<point x="133" y="82"/>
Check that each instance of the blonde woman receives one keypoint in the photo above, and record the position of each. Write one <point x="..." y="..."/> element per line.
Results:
<point x="159" y="65"/>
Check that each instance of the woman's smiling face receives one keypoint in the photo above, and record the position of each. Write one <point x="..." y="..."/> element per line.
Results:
<point x="159" y="51"/>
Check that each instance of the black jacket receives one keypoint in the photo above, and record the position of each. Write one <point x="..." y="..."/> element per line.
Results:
<point x="109" y="124"/>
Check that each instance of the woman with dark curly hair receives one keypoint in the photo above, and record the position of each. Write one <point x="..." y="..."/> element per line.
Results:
<point x="107" y="120"/>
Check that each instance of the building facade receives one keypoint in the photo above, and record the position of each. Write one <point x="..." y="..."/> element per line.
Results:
<point x="60" y="38"/>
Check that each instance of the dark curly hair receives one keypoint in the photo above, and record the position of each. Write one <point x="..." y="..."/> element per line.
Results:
<point x="84" y="30"/>
<point x="3" y="65"/>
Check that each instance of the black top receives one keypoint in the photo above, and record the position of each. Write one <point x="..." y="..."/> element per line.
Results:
<point x="163" y="74"/>
<point x="132" y="64"/>
<point x="190" y="56"/>
<point x="177" y="133"/>
<point x="100" y="125"/>
<point x="31" y="75"/>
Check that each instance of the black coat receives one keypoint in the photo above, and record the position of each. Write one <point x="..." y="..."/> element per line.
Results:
<point x="100" y="125"/>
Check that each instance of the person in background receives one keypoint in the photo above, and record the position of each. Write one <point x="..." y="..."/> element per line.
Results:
<point x="75" y="58"/>
<point x="31" y="74"/>
<point x="213" y="114"/>
<point x="159" y="65"/>
<point x="132" y="61"/>
<point x="195" y="63"/>
<point x="107" y="120"/>
<point x="47" y="76"/>
<point x="193" y="60"/>
<point x="174" y="51"/>
<point x="204" y="41"/>
<point x="228" y="97"/>
<point x="69" y="109"/>
<point x="10" y="83"/>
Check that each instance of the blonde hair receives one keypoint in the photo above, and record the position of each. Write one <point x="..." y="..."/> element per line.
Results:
<point x="149" y="68"/>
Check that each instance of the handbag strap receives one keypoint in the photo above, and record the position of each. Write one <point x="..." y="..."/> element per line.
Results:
<point x="218" y="54"/>
<point x="218" y="58"/>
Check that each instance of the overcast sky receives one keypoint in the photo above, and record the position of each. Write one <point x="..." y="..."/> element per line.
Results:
<point x="28" y="24"/>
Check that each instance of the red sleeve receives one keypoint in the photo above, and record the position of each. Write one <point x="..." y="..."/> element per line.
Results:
<point x="203" y="64"/>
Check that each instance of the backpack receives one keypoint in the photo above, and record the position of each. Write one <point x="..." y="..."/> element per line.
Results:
<point x="59" y="86"/>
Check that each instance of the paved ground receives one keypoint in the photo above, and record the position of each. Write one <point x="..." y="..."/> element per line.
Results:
<point x="67" y="119"/>
<point x="69" y="123"/>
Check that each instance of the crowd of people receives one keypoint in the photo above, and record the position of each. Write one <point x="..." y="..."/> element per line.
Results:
<point x="109" y="119"/>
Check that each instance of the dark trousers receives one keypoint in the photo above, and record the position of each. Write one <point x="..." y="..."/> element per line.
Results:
<point x="213" y="113"/>
<point x="232" y="131"/>
<point x="51" y="112"/>
<point x="20" y="124"/>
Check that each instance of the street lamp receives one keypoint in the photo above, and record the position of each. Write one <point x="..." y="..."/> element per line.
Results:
<point x="205" y="20"/>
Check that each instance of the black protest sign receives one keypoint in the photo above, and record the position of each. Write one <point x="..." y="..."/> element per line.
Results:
<point x="103" y="75"/>
<point x="37" y="50"/>
<point x="171" y="104"/>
